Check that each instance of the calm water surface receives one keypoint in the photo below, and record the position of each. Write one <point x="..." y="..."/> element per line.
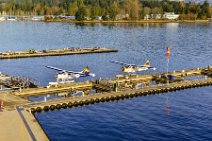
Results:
<point x="144" y="118"/>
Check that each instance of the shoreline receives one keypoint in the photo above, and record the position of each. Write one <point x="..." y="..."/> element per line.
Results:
<point x="127" y="21"/>
<point x="117" y="21"/>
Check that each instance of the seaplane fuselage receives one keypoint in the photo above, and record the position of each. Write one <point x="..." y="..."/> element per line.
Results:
<point x="132" y="68"/>
<point x="64" y="75"/>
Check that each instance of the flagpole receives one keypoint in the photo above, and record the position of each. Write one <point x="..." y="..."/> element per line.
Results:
<point x="167" y="65"/>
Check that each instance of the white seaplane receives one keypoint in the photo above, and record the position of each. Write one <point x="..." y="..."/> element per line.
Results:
<point x="132" y="68"/>
<point x="67" y="75"/>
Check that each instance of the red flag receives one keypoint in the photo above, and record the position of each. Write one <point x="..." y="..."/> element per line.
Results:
<point x="168" y="52"/>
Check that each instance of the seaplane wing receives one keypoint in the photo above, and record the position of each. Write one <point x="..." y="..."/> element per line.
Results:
<point x="143" y="66"/>
<point x="153" y="68"/>
<point x="122" y="63"/>
<point x="62" y="70"/>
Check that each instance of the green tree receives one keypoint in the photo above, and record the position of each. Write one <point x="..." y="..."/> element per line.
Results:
<point x="113" y="10"/>
<point x="72" y="9"/>
<point x="133" y="8"/>
<point x="80" y="15"/>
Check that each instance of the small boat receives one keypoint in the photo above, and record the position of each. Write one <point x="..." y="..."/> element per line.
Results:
<point x="11" y="18"/>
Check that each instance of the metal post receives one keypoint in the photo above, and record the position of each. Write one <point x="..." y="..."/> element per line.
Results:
<point x="45" y="99"/>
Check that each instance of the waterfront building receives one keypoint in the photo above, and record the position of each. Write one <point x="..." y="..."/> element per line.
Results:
<point x="170" y="16"/>
<point x="122" y="16"/>
<point x="153" y="16"/>
<point x="98" y="17"/>
<point x="38" y="18"/>
<point x="167" y="15"/>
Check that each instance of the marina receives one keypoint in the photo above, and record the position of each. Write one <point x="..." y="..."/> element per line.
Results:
<point x="15" y="100"/>
<point x="132" y="104"/>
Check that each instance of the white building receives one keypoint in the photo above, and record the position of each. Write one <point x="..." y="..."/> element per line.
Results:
<point x="98" y="17"/>
<point x="122" y="16"/>
<point x="170" y="16"/>
<point x="167" y="15"/>
<point x="38" y="18"/>
<point x="153" y="16"/>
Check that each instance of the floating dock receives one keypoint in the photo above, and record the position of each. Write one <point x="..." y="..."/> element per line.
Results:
<point x="56" y="89"/>
<point x="124" y="81"/>
<point x="113" y="96"/>
<point x="53" y="52"/>
<point x="118" y="88"/>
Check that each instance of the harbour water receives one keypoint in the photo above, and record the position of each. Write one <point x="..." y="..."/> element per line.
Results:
<point x="183" y="115"/>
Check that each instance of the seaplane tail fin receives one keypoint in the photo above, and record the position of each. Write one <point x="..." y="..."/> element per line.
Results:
<point x="147" y="63"/>
<point x="86" y="70"/>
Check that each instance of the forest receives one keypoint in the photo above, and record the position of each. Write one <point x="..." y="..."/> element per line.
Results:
<point x="108" y="9"/>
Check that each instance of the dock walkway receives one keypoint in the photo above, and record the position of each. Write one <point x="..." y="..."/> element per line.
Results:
<point x="15" y="127"/>
<point x="60" y="88"/>
<point x="53" y="52"/>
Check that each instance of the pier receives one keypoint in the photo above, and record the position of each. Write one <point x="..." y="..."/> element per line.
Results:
<point x="124" y="82"/>
<point x="53" y="52"/>
<point x="113" y="96"/>
<point x="56" y="89"/>
<point x="18" y="108"/>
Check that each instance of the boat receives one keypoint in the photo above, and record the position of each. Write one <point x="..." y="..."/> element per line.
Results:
<point x="11" y="18"/>
<point x="2" y="18"/>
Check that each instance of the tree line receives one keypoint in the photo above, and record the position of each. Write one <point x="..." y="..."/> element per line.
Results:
<point x="108" y="9"/>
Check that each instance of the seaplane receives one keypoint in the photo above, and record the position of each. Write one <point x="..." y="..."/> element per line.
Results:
<point x="132" y="68"/>
<point x="66" y="75"/>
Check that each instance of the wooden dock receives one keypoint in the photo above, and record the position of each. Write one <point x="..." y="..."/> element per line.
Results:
<point x="107" y="91"/>
<point x="60" y="88"/>
<point x="53" y="52"/>
<point x="105" y="97"/>
<point x="106" y="85"/>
